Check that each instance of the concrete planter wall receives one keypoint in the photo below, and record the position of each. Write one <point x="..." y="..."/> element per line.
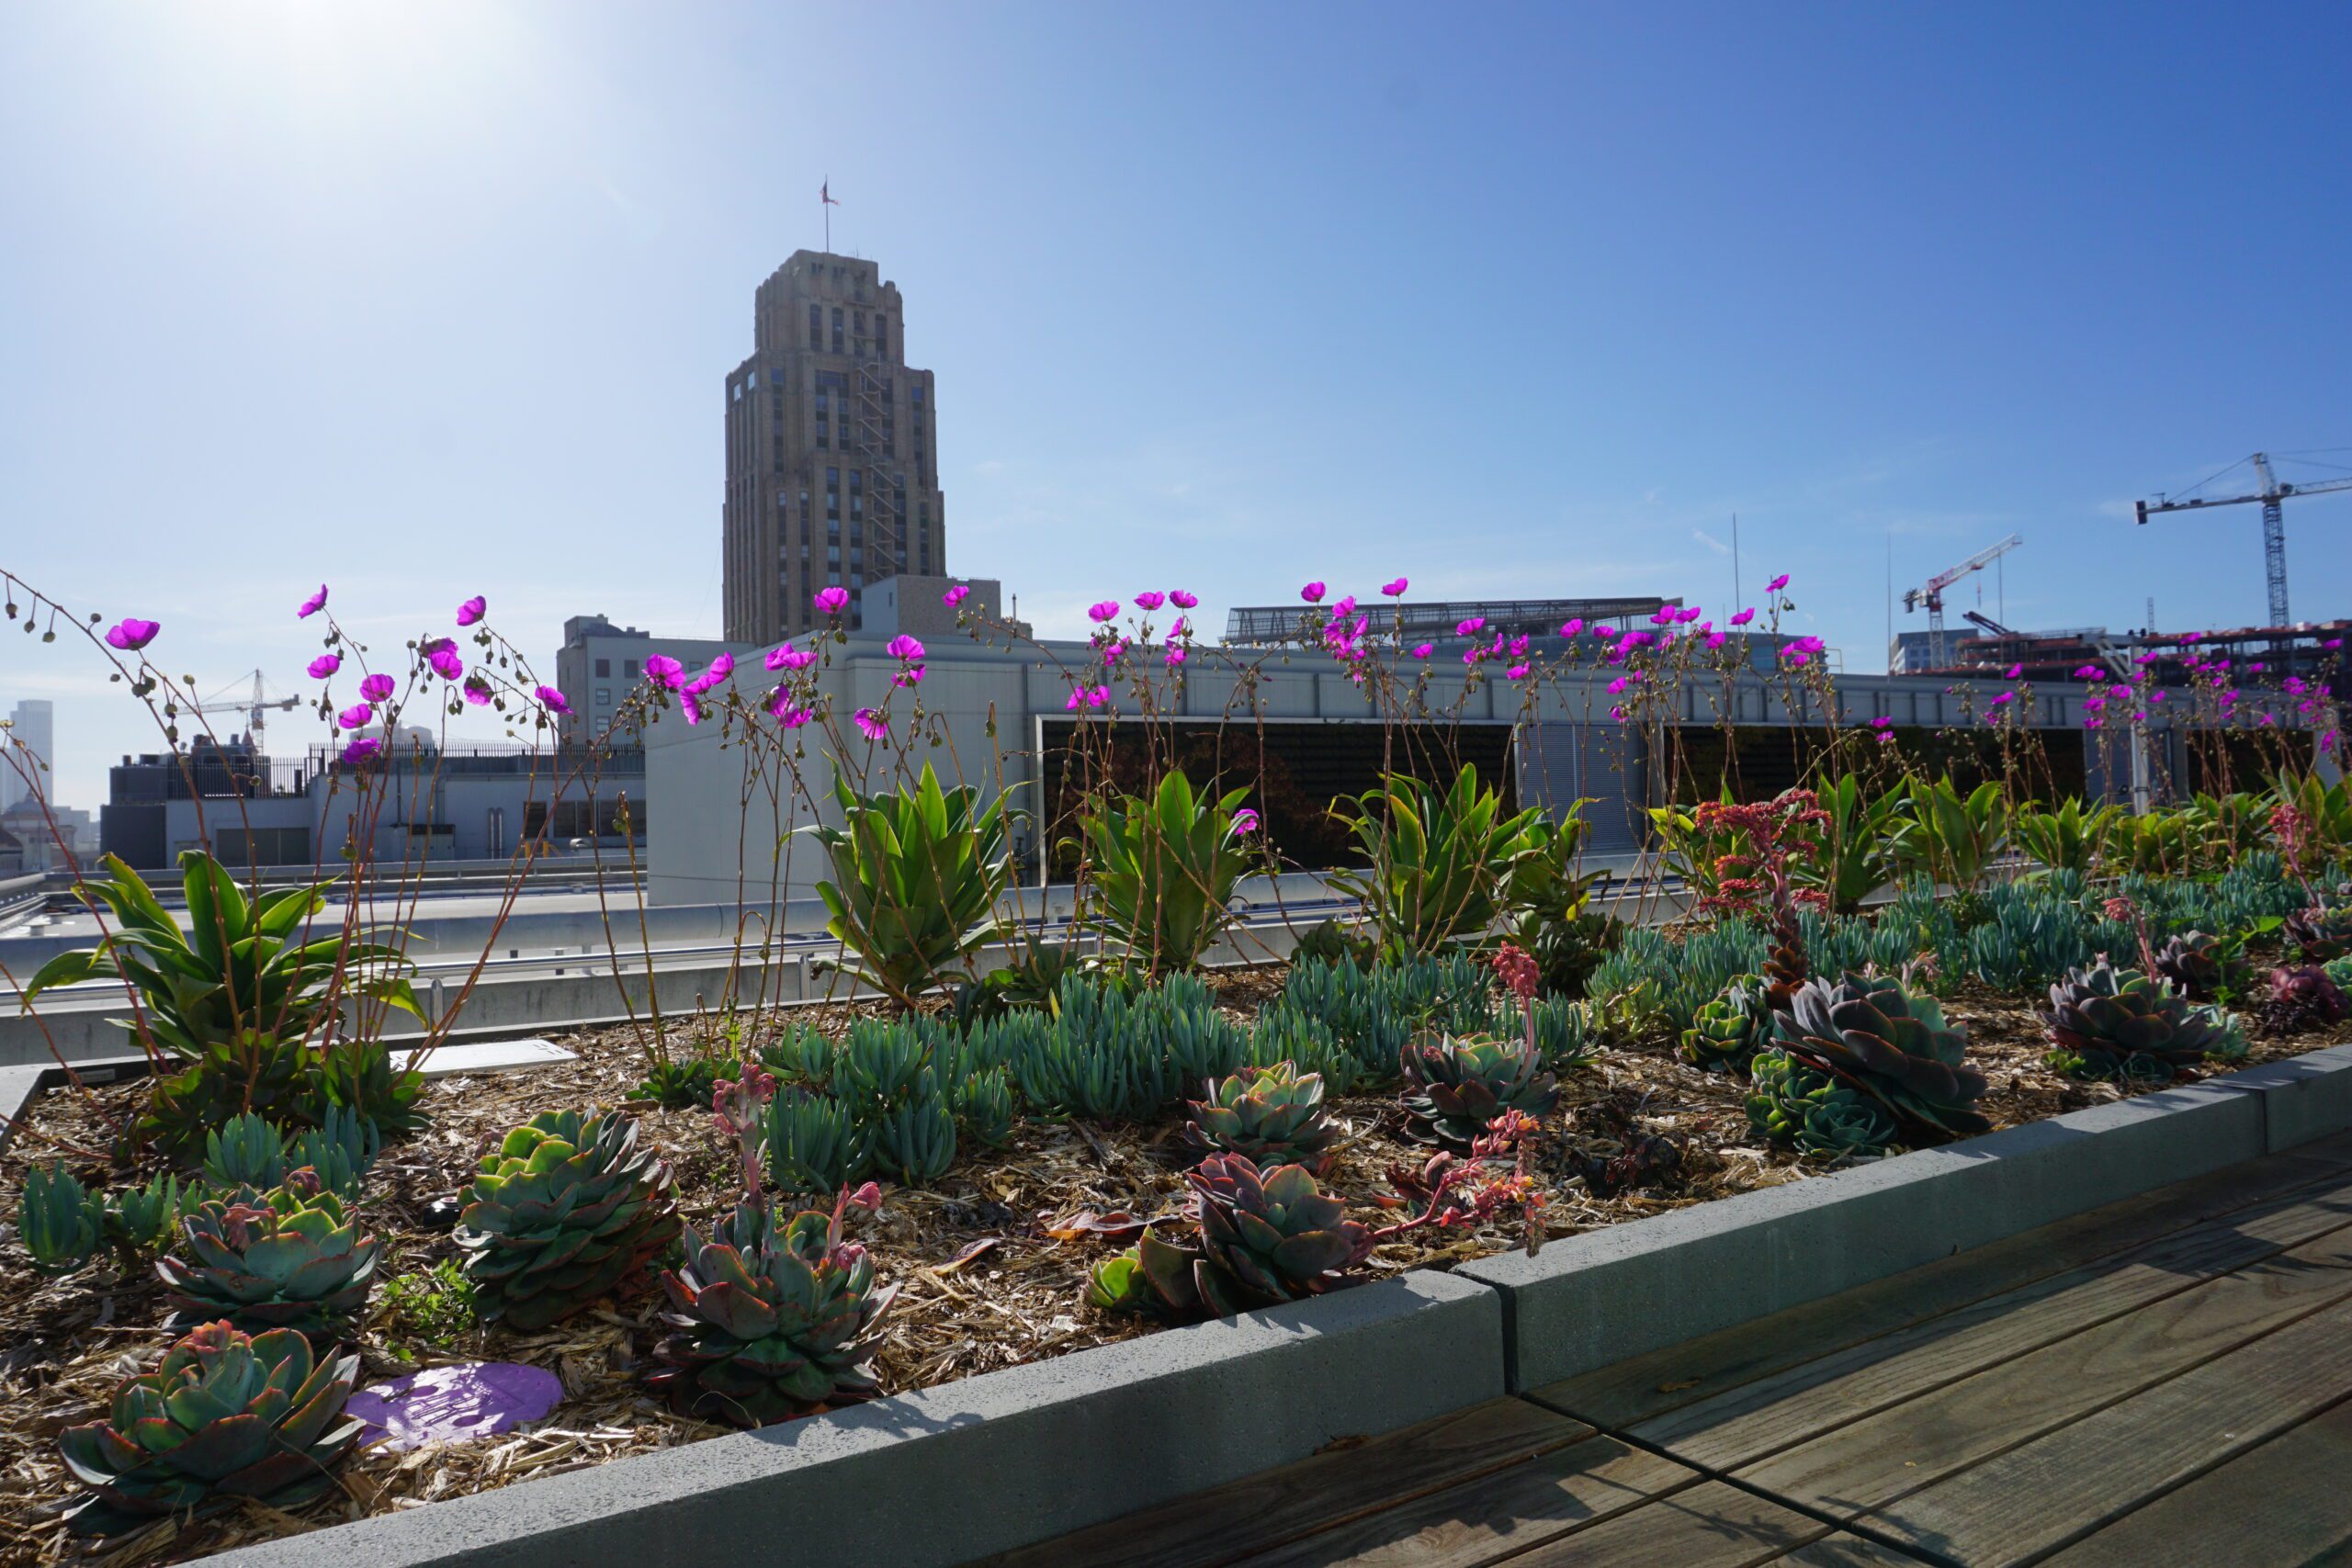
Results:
<point x="1010" y="1457"/>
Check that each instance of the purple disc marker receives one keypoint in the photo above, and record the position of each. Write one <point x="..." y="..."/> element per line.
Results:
<point x="469" y="1399"/>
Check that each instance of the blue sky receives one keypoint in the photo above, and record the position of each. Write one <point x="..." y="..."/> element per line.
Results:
<point x="430" y="300"/>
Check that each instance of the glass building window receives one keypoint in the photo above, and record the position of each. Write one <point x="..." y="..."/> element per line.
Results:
<point x="603" y="669"/>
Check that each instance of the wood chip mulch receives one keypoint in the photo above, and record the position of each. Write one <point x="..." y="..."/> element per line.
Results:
<point x="992" y="1263"/>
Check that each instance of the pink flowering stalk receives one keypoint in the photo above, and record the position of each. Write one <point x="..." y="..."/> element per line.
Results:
<point x="1396" y="589"/>
<point x="472" y="610"/>
<point x="313" y="605"/>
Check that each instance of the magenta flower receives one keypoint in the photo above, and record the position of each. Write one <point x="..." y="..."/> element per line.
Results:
<point x="354" y="717"/>
<point x="1394" y="590"/>
<point x="472" y="610"/>
<point x="1716" y="639"/>
<point x="1796" y="656"/>
<point x="131" y="634"/>
<point x="690" y="703"/>
<point x="1662" y="615"/>
<point x="376" y="688"/>
<point x="1605" y="634"/>
<point x="324" y="665"/>
<point x="1633" y="641"/>
<point x="872" y="725"/>
<point x="721" y="666"/>
<point x="789" y="713"/>
<point x="1617" y="687"/>
<point x="477" y="690"/>
<point x="552" y="700"/>
<point x="955" y="595"/>
<point x="1245" y="822"/>
<point x="1173" y="656"/>
<point x="1517" y="672"/>
<point x="1743" y="617"/>
<point x="910" y="676"/>
<point x="1618" y="714"/>
<point x="2014" y="671"/>
<point x="445" y="660"/>
<point x="2005" y="697"/>
<point x="1572" y="625"/>
<point x="362" y="752"/>
<point x="904" y="649"/>
<point x="1182" y="600"/>
<point x="313" y="604"/>
<point x="1470" y="627"/>
<point x="664" y="671"/>
<point x="1690" y="614"/>
<point x="791" y="658"/>
<point x="1312" y="593"/>
<point x="1882" y="723"/>
<point x="1107" y="610"/>
<point x="1149" y="601"/>
<point x="831" y="600"/>
<point x="1518" y="646"/>
<point x="1345" y="607"/>
<point x="1422" y="651"/>
<point x="1777" y="583"/>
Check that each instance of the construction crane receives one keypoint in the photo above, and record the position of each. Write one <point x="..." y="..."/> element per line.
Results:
<point x="2274" y="526"/>
<point x="252" y="707"/>
<point x="1932" y="593"/>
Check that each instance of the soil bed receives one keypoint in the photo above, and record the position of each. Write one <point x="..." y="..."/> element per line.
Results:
<point x="992" y="1262"/>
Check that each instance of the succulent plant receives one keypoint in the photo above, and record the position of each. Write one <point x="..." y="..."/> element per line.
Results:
<point x="2196" y="965"/>
<point x="2107" y="1022"/>
<point x="567" y="1211"/>
<point x="813" y="1142"/>
<point x="2338" y="972"/>
<point x="1264" y="1238"/>
<point x="1728" y="1030"/>
<point x="772" y="1321"/>
<point x="224" y="1416"/>
<point x="1792" y="1101"/>
<point x="1870" y="1034"/>
<point x="1274" y="1115"/>
<point x="2321" y="933"/>
<point x="60" y="1221"/>
<point x="2228" y="1045"/>
<point x="1456" y="1086"/>
<point x="292" y="1258"/>
<point x="244" y="1151"/>
<point x="2302" y="997"/>
<point x="147" y="1218"/>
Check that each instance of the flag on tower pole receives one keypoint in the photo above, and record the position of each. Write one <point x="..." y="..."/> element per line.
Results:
<point x="825" y="195"/>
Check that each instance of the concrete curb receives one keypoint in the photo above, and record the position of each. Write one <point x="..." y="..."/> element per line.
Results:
<point x="995" y="1462"/>
<point x="1599" y="1298"/>
<point x="2304" y="1098"/>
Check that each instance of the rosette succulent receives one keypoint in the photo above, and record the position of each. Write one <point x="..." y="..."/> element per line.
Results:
<point x="771" y="1322"/>
<point x="1274" y="1115"/>
<point x="2228" y="1045"/>
<point x="1726" y="1032"/>
<point x="567" y="1211"/>
<point x="2321" y="933"/>
<point x="1871" y="1034"/>
<point x="1264" y="1238"/>
<point x="2196" y="965"/>
<point x="223" y="1417"/>
<point x="1454" y="1086"/>
<point x="2107" y="1022"/>
<point x="292" y="1258"/>
<point x="1793" y="1103"/>
<point x="2302" y="996"/>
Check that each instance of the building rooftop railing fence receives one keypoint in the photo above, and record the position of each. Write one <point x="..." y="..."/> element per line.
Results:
<point x="1436" y="620"/>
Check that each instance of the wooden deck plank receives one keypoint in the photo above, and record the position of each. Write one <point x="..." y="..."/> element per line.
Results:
<point x="2015" y="1399"/>
<point x="2293" y="1487"/>
<point x="1840" y="1550"/>
<point x="1744" y="1424"/>
<point x="1623" y="1394"/>
<point x="1496" y="1515"/>
<point x="2067" y="1484"/>
<point x="1265" y="1510"/>
<point x="1708" y="1526"/>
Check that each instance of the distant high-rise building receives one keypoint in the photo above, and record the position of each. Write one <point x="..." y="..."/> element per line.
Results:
<point x="832" y="475"/>
<point x="34" y="727"/>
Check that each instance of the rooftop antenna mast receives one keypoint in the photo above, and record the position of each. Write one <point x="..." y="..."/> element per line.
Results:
<point x="825" y="200"/>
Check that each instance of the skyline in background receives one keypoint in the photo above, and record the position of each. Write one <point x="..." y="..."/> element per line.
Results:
<point x="425" y="300"/>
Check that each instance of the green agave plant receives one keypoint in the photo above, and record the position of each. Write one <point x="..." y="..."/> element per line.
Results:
<point x="770" y="1321"/>
<point x="1161" y="872"/>
<point x="60" y="1221"/>
<point x="1264" y="1237"/>
<point x="2069" y="838"/>
<point x="1952" y="837"/>
<point x="1274" y="1115"/>
<point x="1437" y="860"/>
<point x="1857" y="853"/>
<point x="2107" y="1022"/>
<point x="565" y="1212"/>
<point x="1891" y="1046"/>
<point x="292" y="1258"/>
<point x="1791" y="1102"/>
<point x="916" y="874"/>
<point x="222" y="1419"/>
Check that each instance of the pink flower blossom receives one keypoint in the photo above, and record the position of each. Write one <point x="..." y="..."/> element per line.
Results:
<point x="1882" y="722"/>
<point x="1663" y="616"/>
<point x="552" y="700"/>
<point x="1470" y="627"/>
<point x="1394" y="590"/>
<point x="1517" y="671"/>
<point x="324" y="665"/>
<point x="2005" y="697"/>
<point x="1572" y="625"/>
<point x="1151" y="601"/>
<point x="1182" y="600"/>
<point x="690" y="704"/>
<point x="663" y="671"/>
<point x="131" y="634"/>
<point x="1106" y="610"/>
<point x="1605" y="634"/>
<point x="1345" y="607"/>
<point x="2016" y="672"/>
<point x="472" y="610"/>
<point x="376" y="688"/>
<point x="1777" y="583"/>
<point x="1422" y="651"/>
<point x="2090" y="673"/>
<point x="362" y="752"/>
<point x="1716" y="639"/>
<point x="789" y="714"/>
<point x="1173" y="656"/>
<point x="445" y="660"/>
<point x="1617" y="687"/>
<point x="477" y="690"/>
<point x="1312" y="593"/>
<point x="1632" y="640"/>
<point x="904" y="649"/>
<point x="955" y="595"/>
<point x="1245" y="822"/>
<point x="313" y="604"/>
<point x="1743" y="617"/>
<point x="1618" y="714"/>
<point x="354" y="717"/>
<point x="831" y="600"/>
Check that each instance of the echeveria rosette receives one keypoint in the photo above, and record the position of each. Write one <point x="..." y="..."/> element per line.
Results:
<point x="567" y="1211"/>
<point x="291" y="1259"/>
<point x="1893" y="1047"/>
<point x="222" y="1419"/>
<point x="770" y="1321"/>
<point x="2196" y="965"/>
<point x="2321" y="933"/>
<point x="1264" y="1237"/>
<point x="2107" y="1022"/>
<point x="1728" y="1030"/>
<point x="1272" y="1115"/>
<point x="1792" y="1103"/>
<point x="1456" y="1086"/>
